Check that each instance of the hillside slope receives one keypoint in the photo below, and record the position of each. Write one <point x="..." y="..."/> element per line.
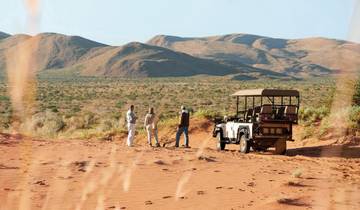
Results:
<point x="47" y="50"/>
<point x="3" y="35"/>
<point x="242" y="56"/>
<point x="302" y="57"/>
<point x="50" y="51"/>
<point x="141" y="60"/>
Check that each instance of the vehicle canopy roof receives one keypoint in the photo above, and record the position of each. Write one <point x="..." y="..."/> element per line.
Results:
<point x="267" y="92"/>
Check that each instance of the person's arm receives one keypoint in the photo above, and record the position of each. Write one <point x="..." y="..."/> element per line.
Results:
<point x="146" y="121"/>
<point x="128" y="117"/>
<point x="181" y="119"/>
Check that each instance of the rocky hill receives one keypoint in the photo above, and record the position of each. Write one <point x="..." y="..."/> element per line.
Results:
<point x="242" y="56"/>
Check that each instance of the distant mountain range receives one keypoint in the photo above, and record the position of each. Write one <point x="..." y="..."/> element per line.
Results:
<point x="241" y="56"/>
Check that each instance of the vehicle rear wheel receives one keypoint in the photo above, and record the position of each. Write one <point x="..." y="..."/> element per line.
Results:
<point x="220" y="144"/>
<point x="244" y="145"/>
<point x="280" y="147"/>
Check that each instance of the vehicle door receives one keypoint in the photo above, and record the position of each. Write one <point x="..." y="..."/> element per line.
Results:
<point x="230" y="130"/>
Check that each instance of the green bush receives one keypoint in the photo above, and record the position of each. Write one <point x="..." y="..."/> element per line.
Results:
<point x="354" y="117"/>
<point x="45" y="123"/>
<point x="205" y="113"/>
<point x="310" y="115"/>
<point x="120" y="104"/>
<point x="356" y="97"/>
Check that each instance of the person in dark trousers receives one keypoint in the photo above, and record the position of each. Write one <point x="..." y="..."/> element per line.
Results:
<point x="183" y="127"/>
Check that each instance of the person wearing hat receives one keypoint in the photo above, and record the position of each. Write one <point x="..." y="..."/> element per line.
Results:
<point x="150" y="125"/>
<point x="183" y="127"/>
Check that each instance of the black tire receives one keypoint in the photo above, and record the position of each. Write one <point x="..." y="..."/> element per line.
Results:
<point x="280" y="147"/>
<point x="244" y="145"/>
<point x="220" y="145"/>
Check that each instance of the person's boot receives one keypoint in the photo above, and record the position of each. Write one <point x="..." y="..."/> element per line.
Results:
<point x="157" y="145"/>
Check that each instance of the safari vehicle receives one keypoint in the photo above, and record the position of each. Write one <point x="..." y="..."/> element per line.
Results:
<point x="265" y="120"/>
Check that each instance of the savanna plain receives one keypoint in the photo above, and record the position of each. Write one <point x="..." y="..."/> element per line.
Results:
<point x="72" y="153"/>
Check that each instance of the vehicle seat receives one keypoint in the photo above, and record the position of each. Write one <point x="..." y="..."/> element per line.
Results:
<point x="256" y="113"/>
<point x="248" y="115"/>
<point x="266" y="112"/>
<point x="280" y="113"/>
<point x="291" y="113"/>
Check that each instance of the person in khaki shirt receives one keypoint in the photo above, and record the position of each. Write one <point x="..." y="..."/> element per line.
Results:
<point x="150" y="125"/>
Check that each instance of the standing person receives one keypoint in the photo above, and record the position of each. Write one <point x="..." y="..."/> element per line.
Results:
<point x="131" y="122"/>
<point x="183" y="127"/>
<point x="150" y="124"/>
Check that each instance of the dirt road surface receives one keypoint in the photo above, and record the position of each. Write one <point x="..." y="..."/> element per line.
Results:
<point x="100" y="174"/>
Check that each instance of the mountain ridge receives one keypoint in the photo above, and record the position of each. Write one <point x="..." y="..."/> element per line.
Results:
<point x="241" y="55"/>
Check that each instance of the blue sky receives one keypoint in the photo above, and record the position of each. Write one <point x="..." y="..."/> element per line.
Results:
<point x="120" y="21"/>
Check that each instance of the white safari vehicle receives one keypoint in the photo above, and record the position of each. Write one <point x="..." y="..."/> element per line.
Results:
<point x="264" y="120"/>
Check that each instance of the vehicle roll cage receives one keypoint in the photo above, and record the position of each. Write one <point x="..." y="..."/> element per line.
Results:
<point x="293" y="97"/>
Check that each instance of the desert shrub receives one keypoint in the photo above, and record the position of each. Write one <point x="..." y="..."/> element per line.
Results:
<point x="75" y="109"/>
<point x="120" y="104"/>
<point x="356" y="97"/>
<point x="354" y="117"/>
<point x="53" y="108"/>
<point x="307" y="132"/>
<point x="75" y="122"/>
<point x="4" y="98"/>
<point x="210" y="114"/>
<point x="105" y="125"/>
<point x="45" y="123"/>
<point x="310" y="115"/>
<point x="105" y="97"/>
<point x="324" y="128"/>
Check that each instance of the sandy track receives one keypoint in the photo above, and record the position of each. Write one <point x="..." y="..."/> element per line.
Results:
<point x="108" y="175"/>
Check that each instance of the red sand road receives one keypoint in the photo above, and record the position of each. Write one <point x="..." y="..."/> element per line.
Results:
<point x="94" y="174"/>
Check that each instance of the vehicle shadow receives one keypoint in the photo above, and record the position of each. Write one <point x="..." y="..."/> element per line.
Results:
<point x="344" y="151"/>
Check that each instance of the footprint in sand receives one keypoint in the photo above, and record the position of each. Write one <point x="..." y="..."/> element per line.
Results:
<point x="114" y="207"/>
<point x="159" y="162"/>
<point x="148" y="202"/>
<point x="41" y="183"/>
<point x="219" y="188"/>
<point x="166" y="197"/>
<point x="251" y="184"/>
<point x="200" y="192"/>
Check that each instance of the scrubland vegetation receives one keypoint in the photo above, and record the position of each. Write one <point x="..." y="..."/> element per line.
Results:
<point x="93" y="107"/>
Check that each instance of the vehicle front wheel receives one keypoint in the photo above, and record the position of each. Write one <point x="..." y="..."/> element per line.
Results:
<point x="244" y="145"/>
<point x="220" y="144"/>
<point x="280" y="147"/>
